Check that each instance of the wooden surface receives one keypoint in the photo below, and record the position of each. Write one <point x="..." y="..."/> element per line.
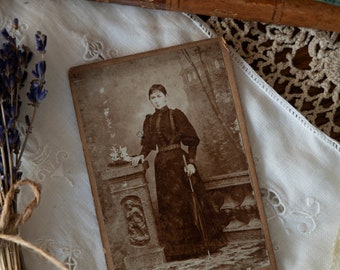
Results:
<point x="303" y="13"/>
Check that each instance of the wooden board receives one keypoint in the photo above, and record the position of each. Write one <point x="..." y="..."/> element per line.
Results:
<point x="303" y="13"/>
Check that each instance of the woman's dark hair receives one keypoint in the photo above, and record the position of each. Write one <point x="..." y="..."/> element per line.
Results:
<point x="157" y="87"/>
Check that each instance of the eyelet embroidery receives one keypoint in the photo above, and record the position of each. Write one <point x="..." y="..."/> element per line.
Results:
<point x="304" y="217"/>
<point x="96" y="50"/>
<point x="66" y="254"/>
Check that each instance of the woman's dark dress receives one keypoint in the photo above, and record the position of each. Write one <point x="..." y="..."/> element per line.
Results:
<point x="178" y="234"/>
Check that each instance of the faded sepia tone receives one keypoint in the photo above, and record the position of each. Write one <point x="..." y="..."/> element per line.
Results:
<point x="111" y="101"/>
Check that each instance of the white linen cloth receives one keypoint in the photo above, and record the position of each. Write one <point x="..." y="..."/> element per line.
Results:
<point x="297" y="165"/>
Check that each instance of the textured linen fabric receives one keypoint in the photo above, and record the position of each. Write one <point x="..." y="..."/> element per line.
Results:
<point x="298" y="170"/>
<point x="297" y="165"/>
<point x="78" y="32"/>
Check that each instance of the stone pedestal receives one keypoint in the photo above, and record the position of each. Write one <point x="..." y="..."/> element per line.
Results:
<point x="129" y="218"/>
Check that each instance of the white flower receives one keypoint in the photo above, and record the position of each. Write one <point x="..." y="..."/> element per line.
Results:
<point x="119" y="153"/>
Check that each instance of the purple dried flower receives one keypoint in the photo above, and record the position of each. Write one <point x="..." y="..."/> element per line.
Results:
<point x="24" y="56"/>
<point x="16" y="23"/>
<point x="37" y="93"/>
<point x="5" y="34"/>
<point x="4" y="81"/>
<point x="12" y="81"/>
<point x="10" y="123"/>
<point x="19" y="175"/>
<point x="40" y="69"/>
<point x="9" y="38"/>
<point x="41" y="41"/>
<point x="13" y="138"/>
<point x="21" y="77"/>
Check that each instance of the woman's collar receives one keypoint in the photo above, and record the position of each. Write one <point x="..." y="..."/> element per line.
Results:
<point x="161" y="110"/>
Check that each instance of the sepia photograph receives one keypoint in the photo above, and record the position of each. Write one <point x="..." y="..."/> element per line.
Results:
<point x="169" y="160"/>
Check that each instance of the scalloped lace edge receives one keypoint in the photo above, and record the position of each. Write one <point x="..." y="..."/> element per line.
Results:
<point x="282" y="102"/>
<point x="265" y="87"/>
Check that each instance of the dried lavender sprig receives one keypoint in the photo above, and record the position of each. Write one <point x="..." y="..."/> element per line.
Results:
<point x="13" y="64"/>
<point x="37" y="92"/>
<point x="12" y="77"/>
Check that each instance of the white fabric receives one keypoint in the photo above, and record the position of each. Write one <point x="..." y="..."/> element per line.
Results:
<point x="297" y="165"/>
<point x="298" y="170"/>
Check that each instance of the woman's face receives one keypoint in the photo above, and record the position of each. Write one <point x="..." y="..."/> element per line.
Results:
<point x="158" y="99"/>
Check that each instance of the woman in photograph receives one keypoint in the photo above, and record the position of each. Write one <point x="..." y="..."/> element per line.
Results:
<point x="178" y="229"/>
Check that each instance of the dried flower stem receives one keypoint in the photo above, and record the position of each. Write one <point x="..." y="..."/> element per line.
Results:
<point x="9" y="260"/>
<point x="2" y="260"/>
<point x="28" y="131"/>
<point x="18" y="240"/>
<point x="10" y="158"/>
<point x="5" y="188"/>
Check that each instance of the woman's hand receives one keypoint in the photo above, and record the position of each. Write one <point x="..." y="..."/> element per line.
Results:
<point x="135" y="160"/>
<point x="190" y="169"/>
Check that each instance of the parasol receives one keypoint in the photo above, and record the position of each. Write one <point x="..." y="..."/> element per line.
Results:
<point x="198" y="213"/>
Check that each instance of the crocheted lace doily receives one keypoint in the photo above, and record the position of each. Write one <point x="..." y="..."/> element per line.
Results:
<point x="302" y="65"/>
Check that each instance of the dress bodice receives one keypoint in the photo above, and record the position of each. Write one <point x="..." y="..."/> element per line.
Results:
<point x="167" y="127"/>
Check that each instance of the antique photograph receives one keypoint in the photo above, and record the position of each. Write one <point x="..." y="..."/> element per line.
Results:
<point x="169" y="161"/>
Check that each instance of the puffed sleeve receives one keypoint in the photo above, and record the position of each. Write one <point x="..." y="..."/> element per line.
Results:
<point x="147" y="142"/>
<point x="187" y="133"/>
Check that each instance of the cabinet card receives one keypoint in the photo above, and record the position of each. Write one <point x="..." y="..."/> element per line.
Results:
<point x="169" y="160"/>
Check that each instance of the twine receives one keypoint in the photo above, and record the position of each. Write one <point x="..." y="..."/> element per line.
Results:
<point x="10" y="221"/>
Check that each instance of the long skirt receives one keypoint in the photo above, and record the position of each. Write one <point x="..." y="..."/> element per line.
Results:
<point x="178" y="232"/>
